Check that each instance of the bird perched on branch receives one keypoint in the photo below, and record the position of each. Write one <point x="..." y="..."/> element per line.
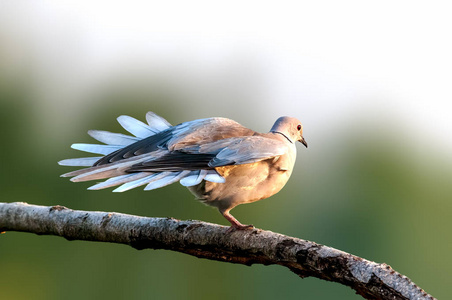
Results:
<point x="221" y="162"/>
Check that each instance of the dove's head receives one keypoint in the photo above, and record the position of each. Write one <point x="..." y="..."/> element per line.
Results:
<point x="291" y="128"/>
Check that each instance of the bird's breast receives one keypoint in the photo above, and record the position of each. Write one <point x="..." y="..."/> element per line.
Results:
<point x="245" y="183"/>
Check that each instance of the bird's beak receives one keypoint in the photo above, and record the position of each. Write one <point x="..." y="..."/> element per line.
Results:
<point x="303" y="141"/>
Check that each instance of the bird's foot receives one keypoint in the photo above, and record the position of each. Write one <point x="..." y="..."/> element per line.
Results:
<point x="239" y="226"/>
<point x="236" y="225"/>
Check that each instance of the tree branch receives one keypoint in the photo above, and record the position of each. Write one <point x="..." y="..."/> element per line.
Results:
<point x="205" y="240"/>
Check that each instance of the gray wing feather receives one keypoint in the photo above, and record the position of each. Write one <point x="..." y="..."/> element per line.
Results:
<point x="172" y="177"/>
<point x="194" y="178"/>
<point x="114" y="181"/>
<point x="157" y="122"/>
<point x="95" y="148"/>
<point x="139" y="182"/>
<point x="79" y="162"/>
<point x="213" y="176"/>
<point x="236" y="151"/>
<point x="112" y="138"/>
<point x="135" y="127"/>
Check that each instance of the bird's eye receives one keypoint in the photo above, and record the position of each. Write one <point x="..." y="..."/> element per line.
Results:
<point x="299" y="127"/>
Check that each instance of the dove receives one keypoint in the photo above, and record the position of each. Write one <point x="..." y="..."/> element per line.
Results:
<point x="221" y="162"/>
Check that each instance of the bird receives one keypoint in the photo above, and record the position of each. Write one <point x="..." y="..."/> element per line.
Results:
<point x="221" y="162"/>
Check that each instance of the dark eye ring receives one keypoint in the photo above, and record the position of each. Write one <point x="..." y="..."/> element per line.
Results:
<point x="299" y="127"/>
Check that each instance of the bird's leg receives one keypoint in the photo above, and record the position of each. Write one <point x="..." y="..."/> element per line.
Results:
<point x="234" y="222"/>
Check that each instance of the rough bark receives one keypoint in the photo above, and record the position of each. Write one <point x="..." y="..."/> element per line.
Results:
<point x="369" y="279"/>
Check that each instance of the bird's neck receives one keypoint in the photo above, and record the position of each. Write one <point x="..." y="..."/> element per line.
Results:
<point x="278" y="132"/>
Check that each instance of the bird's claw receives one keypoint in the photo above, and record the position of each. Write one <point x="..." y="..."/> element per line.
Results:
<point x="239" y="227"/>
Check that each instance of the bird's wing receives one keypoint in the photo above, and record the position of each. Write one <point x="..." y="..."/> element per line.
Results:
<point x="155" y="149"/>
<point x="114" y="143"/>
<point x="247" y="150"/>
<point x="176" y="138"/>
<point x="230" y="151"/>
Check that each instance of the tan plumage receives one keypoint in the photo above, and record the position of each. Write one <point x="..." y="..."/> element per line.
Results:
<point x="221" y="162"/>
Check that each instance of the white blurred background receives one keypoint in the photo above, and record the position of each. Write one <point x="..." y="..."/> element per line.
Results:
<point x="320" y="60"/>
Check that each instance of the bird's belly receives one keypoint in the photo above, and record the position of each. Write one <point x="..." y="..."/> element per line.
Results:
<point x="244" y="184"/>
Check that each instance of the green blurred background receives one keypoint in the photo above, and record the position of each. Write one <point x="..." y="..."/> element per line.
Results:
<point x="371" y="83"/>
